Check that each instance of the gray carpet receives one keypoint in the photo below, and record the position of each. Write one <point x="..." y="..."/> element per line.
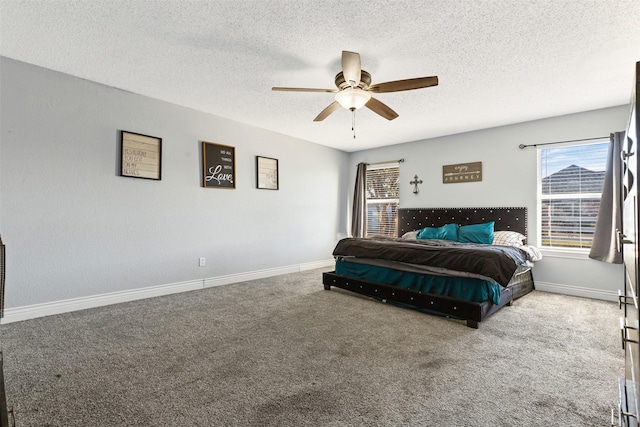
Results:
<point x="284" y="352"/>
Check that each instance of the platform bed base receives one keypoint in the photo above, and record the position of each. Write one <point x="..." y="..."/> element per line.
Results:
<point x="472" y="312"/>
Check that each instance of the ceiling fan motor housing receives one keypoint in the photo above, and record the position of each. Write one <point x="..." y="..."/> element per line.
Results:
<point x="365" y="81"/>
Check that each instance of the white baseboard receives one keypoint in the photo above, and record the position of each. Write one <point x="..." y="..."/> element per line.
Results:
<point x="251" y="275"/>
<point x="577" y="291"/>
<point x="18" y="314"/>
<point x="74" y="304"/>
<point x="318" y="264"/>
<point x="262" y="274"/>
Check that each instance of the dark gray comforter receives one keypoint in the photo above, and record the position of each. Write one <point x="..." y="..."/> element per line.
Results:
<point x="496" y="262"/>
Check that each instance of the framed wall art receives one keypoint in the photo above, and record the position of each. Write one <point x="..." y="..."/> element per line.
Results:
<point x="462" y="172"/>
<point x="219" y="166"/>
<point x="267" y="173"/>
<point x="141" y="155"/>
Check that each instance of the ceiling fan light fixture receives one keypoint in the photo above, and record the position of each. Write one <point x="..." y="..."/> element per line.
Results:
<point x="352" y="98"/>
<point x="354" y="89"/>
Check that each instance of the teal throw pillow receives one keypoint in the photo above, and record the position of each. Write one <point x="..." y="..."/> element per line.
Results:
<point x="446" y="232"/>
<point x="476" y="233"/>
<point x="431" y="233"/>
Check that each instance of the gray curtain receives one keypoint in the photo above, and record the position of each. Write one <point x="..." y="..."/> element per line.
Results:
<point x="358" y="221"/>
<point x="2" y="269"/>
<point x="609" y="220"/>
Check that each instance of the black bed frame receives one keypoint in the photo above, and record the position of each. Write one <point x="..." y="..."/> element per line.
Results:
<point x="511" y="219"/>
<point x="508" y="219"/>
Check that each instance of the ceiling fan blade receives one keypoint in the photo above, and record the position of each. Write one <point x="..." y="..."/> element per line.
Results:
<point x="407" y="84"/>
<point x="351" y="68"/>
<point x="302" y="89"/>
<point x="381" y="108"/>
<point x="325" y="113"/>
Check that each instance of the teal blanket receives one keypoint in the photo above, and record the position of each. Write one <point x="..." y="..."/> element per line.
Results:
<point x="463" y="288"/>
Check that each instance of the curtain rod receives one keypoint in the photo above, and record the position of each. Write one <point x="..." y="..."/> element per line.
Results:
<point x="560" y="142"/>
<point x="388" y="161"/>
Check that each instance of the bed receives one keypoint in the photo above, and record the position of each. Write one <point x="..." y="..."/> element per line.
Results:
<point x="463" y="277"/>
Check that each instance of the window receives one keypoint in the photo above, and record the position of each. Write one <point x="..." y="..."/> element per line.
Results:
<point x="569" y="188"/>
<point x="382" y="200"/>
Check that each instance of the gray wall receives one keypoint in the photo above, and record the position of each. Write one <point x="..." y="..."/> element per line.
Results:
<point x="509" y="179"/>
<point x="74" y="228"/>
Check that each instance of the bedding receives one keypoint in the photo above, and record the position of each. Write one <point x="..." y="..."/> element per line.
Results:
<point x="410" y="234"/>
<point x="497" y="263"/>
<point x="462" y="287"/>
<point x="508" y="238"/>
<point x="469" y="275"/>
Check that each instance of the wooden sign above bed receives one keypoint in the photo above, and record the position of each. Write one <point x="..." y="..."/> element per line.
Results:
<point x="462" y="172"/>
<point x="507" y="219"/>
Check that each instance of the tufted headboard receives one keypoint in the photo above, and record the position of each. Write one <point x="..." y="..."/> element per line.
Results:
<point x="510" y="219"/>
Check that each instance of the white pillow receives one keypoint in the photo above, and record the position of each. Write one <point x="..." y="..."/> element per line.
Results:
<point x="508" y="238"/>
<point x="411" y="235"/>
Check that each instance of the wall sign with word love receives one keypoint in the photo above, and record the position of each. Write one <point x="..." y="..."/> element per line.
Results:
<point x="219" y="166"/>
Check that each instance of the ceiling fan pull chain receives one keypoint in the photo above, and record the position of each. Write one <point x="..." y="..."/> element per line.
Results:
<point x="353" y="122"/>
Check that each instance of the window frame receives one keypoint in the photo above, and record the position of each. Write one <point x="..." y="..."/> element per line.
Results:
<point x="559" y="251"/>
<point x="396" y="201"/>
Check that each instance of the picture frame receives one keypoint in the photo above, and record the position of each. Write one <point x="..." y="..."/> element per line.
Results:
<point x="140" y="156"/>
<point x="218" y="166"/>
<point x="462" y="172"/>
<point x="267" y="176"/>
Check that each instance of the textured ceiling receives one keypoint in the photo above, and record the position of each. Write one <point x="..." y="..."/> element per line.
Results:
<point x="498" y="61"/>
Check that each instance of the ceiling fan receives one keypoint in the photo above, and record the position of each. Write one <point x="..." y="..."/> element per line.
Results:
<point x="354" y="89"/>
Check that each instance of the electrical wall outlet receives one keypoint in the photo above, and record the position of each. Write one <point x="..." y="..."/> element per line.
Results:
<point x="202" y="262"/>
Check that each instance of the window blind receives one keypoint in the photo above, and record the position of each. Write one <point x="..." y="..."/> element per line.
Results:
<point x="570" y="185"/>
<point x="382" y="200"/>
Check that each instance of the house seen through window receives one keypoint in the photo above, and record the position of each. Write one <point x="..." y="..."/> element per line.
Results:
<point x="383" y="195"/>
<point x="569" y="188"/>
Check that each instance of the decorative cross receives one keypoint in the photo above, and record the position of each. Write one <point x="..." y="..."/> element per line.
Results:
<point x="415" y="183"/>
